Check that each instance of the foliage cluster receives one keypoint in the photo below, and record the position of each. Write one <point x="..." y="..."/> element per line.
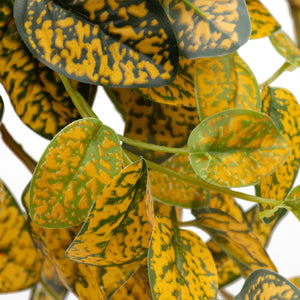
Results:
<point x="102" y="213"/>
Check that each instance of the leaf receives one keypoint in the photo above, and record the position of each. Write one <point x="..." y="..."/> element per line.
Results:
<point x="235" y="238"/>
<point x="266" y="284"/>
<point x="20" y="263"/>
<point x="295" y="281"/>
<point x="224" y="27"/>
<point x="170" y="190"/>
<point x="285" y="47"/>
<point x="223" y="83"/>
<point x="1" y="108"/>
<point x="236" y="147"/>
<point x="36" y="92"/>
<point x="180" y="265"/>
<point x="292" y="202"/>
<point x="284" y="110"/>
<point x="119" y="44"/>
<point x="262" y="22"/>
<point x="117" y="230"/>
<point x="72" y="171"/>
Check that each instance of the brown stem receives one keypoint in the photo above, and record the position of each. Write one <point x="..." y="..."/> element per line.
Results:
<point x="17" y="149"/>
<point x="295" y="12"/>
<point x="226" y="295"/>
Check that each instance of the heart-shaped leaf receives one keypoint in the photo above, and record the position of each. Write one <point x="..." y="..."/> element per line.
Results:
<point x="72" y="171"/>
<point x="180" y="265"/>
<point x="236" y="147"/>
<point x="121" y="44"/>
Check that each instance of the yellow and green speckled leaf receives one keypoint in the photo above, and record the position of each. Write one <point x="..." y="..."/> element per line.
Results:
<point x="170" y="190"/>
<point x="236" y="239"/>
<point x="265" y="284"/>
<point x="237" y="147"/>
<point x="292" y="202"/>
<point x="1" y="108"/>
<point x="283" y="108"/>
<point x="262" y="22"/>
<point x="72" y="171"/>
<point x="223" y="83"/>
<point x="117" y="230"/>
<point x="295" y="281"/>
<point x="224" y="27"/>
<point x="285" y="47"/>
<point x="180" y="265"/>
<point x="20" y="263"/>
<point x="121" y="44"/>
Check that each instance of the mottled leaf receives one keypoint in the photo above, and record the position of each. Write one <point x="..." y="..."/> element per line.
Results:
<point x="295" y="281"/>
<point x="1" y="108"/>
<point x="121" y="44"/>
<point x="20" y="264"/>
<point x="266" y="284"/>
<point x="236" y="147"/>
<point x="292" y="202"/>
<point x="284" y="110"/>
<point x="223" y="83"/>
<point x="180" y="265"/>
<point x="224" y="27"/>
<point x="117" y="230"/>
<point x="236" y="239"/>
<point x="72" y="171"/>
<point x="262" y="22"/>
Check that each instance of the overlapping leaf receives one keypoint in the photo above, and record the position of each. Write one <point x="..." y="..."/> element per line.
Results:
<point x="223" y="27"/>
<point x="117" y="230"/>
<point x="292" y="202"/>
<point x="72" y="171"/>
<point x="20" y="264"/>
<point x="265" y="284"/>
<point x="180" y="265"/>
<point x="284" y="110"/>
<point x="236" y="147"/>
<point x="262" y="22"/>
<point x="225" y="82"/>
<point x="118" y="44"/>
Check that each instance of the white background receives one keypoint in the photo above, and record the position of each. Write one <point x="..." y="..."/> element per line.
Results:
<point x="284" y="247"/>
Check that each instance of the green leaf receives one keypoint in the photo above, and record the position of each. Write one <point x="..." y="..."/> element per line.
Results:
<point x="223" y="83"/>
<point x="284" y="110"/>
<point x="265" y="284"/>
<point x="224" y="28"/>
<point x="262" y="22"/>
<point x="117" y="230"/>
<point x="119" y="44"/>
<point x="1" y="108"/>
<point x="180" y="265"/>
<point x="236" y="147"/>
<point x="72" y="171"/>
<point x="292" y="202"/>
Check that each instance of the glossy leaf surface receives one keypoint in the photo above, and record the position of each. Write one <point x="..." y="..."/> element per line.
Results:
<point x="180" y="265"/>
<point x="236" y="147"/>
<point x="283" y="108"/>
<point x="265" y="284"/>
<point x="223" y="83"/>
<point x="119" y="44"/>
<point x="117" y="230"/>
<point x="262" y="22"/>
<point x="224" y="27"/>
<point x="72" y="171"/>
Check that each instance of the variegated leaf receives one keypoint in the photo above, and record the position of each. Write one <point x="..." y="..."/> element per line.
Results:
<point x="180" y="265"/>
<point x="266" y="284"/>
<point x="237" y="147"/>
<point x="284" y="110"/>
<point x="72" y="171"/>
<point x="292" y="201"/>
<point x="117" y="230"/>
<point x="262" y="22"/>
<point x="295" y="281"/>
<point x="119" y="44"/>
<point x="209" y="28"/>
<point x="223" y="83"/>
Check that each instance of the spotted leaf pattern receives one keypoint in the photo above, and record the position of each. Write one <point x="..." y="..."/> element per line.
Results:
<point x="222" y="28"/>
<point x="223" y="83"/>
<point x="117" y="230"/>
<point x="72" y="171"/>
<point x="180" y="265"/>
<point x="236" y="147"/>
<point x="119" y="44"/>
<point x="266" y="284"/>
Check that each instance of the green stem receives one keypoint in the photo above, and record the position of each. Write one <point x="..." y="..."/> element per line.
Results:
<point x="126" y="159"/>
<point x="49" y="291"/>
<point x="78" y="100"/>
<point x="196" y="9"/>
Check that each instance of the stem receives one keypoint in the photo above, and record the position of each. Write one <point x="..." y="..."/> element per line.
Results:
<point x="196" y="9"/>
<point x="226" y="295"/>
<point x="17" y="149"/>
<point x="204" y="184"/>
<point x="295" y="12"/>
<point x="126" y="159"/>
<point x="49" y="291"/>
